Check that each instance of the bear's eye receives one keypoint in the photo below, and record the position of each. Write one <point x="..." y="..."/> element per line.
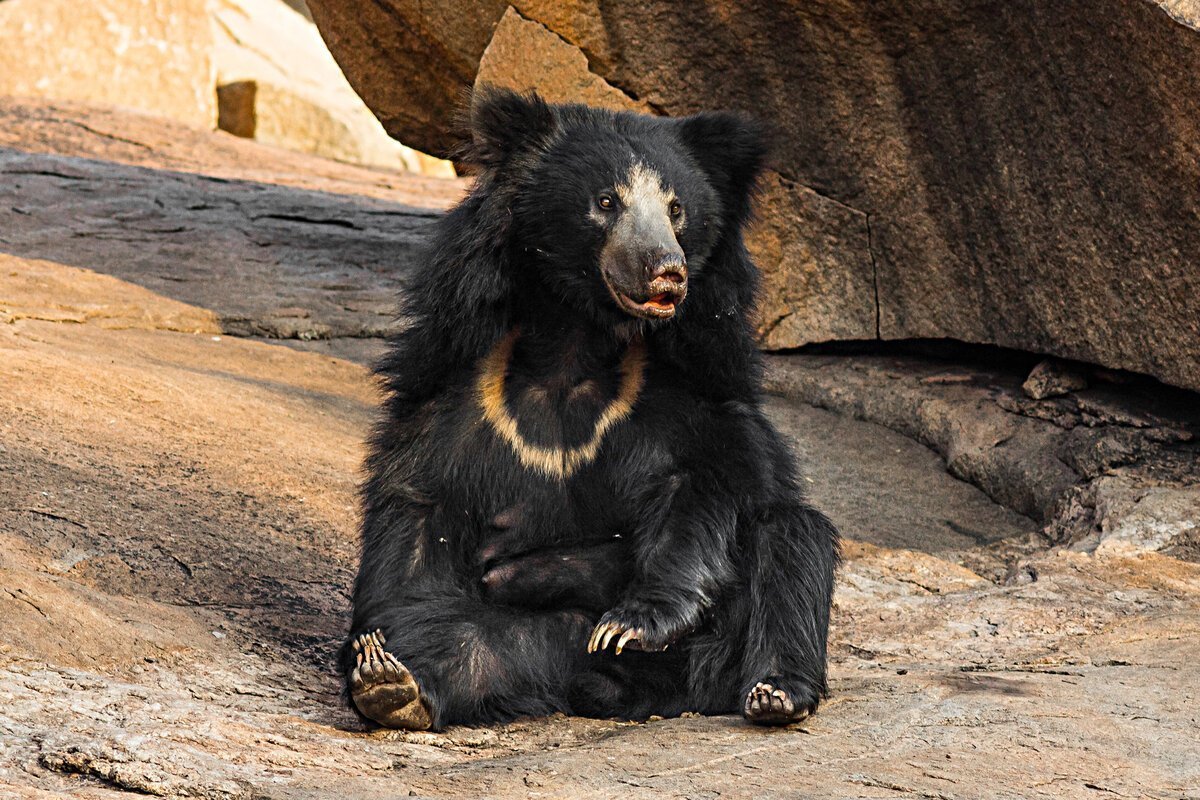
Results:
<point x="605" y="201"/>
<point x="676" y="209"/>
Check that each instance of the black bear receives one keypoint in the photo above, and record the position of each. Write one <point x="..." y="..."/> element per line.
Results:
<point x="573" y="453"/>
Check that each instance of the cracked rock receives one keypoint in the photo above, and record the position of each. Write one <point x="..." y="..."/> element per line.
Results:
<point x="1052" y="378"/>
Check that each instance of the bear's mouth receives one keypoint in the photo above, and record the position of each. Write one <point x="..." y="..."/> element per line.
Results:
<point x="656" y="305"/>
<point x="660" y="299"/>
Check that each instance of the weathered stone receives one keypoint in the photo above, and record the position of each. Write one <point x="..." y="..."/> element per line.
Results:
<point x="815" y="257"/>
<point x="337" y="258"/>
<point x="1040" y="458"/>
<point x="277" y="83"/>
<point x="580" y="22"/>
<point x="1137" y="519"/>
<point x="1186" y="11"/>
<point x="152" y="55"/>
<point x="31" y="289"/>
<point x="235" y="108"/>
<point x="410" y="61"/>
<point x="1052" y="378"/>
<point x="1019" y="190"/>
<point x="523" y="55"/>
<point x="134" y="139"/>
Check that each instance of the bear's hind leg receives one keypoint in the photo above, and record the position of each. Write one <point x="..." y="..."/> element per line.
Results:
<point x="788" y="595"/>
<point x="471" y="663"/>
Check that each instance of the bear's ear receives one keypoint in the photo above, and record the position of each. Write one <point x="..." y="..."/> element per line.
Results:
<point x="731" y="149"/>
<point x="504" y="123"/>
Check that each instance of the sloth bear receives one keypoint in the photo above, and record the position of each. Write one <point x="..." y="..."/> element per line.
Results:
<point x="573" y="453"/>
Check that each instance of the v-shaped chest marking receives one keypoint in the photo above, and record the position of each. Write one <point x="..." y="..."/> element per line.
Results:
<point x="554" y="462"/>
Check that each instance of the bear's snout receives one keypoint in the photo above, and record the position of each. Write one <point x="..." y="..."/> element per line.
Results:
<point x="650" y="282"/>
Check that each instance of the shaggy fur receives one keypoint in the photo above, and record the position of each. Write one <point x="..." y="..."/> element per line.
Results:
<point x="485" y="566"/>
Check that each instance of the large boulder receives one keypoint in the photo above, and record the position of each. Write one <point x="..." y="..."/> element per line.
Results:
<point x="1023" y="174"/>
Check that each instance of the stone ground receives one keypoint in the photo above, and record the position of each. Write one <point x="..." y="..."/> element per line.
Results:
<point x="177" y="522"/>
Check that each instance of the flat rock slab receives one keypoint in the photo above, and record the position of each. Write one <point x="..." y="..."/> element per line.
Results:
<point x="914" y="503"/>
<point x="269" y="260"/>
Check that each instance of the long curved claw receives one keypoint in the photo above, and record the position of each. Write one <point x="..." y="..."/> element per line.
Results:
<point x="627" y="637"/>
<point x="602" y="635"/>
<point x="597" y="632"/>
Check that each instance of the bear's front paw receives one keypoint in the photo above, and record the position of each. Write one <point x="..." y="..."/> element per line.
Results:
<point x="636" y="626"/>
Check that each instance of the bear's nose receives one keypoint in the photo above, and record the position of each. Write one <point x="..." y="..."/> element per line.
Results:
<point x="667" y="264"/>
<point x="674" y="273"/>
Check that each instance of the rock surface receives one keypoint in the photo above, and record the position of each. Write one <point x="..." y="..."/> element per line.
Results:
<point x="1053" y="379"/>
<point x="1024" y="177"/>
<point x="257" y="68"/>
<point x="177" y="517"/>
<point x="524" y="55"/>
<point x="152" y="55"/>
<point x="278" y="84"/>
<point x="1047" y="459"/>
<point x="304" y="262"/>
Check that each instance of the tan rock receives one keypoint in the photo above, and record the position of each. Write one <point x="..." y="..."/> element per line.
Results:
<point x="151" y="55"/>
<point x="579" y="22"/>
<point x="277" y="83"/>
<point x="1135" y="518"/>
<point x="137" y="139"/>
<point x="815" y="257"/>
<point x="36" y="289"/>
<point x="1186" y="11"/>
<point x="433" y="52"/>
<point x="177" y="545"/>
<point x="524" y="55"/>
<point x="1051" y="378"/>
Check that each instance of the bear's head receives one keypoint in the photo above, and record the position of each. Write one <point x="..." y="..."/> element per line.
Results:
<point x="617" y="215"/>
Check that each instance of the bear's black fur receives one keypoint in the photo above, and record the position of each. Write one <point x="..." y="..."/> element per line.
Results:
<point x="573" y="451"/>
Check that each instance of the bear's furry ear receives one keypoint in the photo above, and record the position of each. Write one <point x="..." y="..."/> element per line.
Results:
<point x="504" y="123"/>
<point x="732" y="150"/>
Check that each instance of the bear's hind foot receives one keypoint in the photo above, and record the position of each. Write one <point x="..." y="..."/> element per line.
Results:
<point x="769" y="703"/>
<point x="382" y="688"/>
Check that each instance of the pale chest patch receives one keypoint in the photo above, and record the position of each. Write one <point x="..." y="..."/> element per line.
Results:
<point x="558" y="462"/>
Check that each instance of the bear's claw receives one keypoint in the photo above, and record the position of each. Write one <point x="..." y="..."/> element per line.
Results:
<point x="767" y="704"/>
<point x="605" y="632"/>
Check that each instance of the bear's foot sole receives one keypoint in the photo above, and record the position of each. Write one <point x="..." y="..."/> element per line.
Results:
<point x="383" y="689"/>
<point x="770" y="704"/>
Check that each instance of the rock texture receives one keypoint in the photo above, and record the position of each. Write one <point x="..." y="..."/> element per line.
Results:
<point x="278" y="84"/>
<point x="257" y="68"/>
<point x="1110" y="466"/>
<point x="410" y="61"/>
<point x="304" y="262"/>
<point x="1023" y="175"/>
<point x="524" y="55"/>
<point x="177" y="517"/>
<point x="152" y="55"/>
